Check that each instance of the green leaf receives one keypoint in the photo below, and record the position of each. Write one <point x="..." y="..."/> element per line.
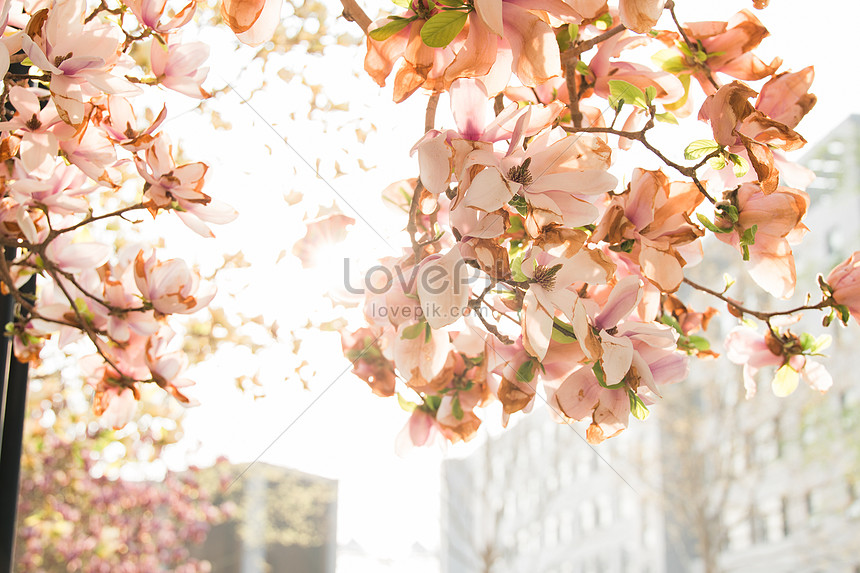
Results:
<point x="526" y="372"/>
<point x="457" y="408"/>
<point x="729" y="280"/>
<point x="748" y="236"/>
<point x="699" y="343"/>
<point x="700" y="147"/>
<point x="729" y="211"/>
<point x="844" y="315"/>
<point x="412" y="332"/>
<point x="785" y="381"/>
<point x="432" y="402"/>
<point x="650" y="94"/>
<point x="674" y="106"/>
<point x="405" y="404"/>
<point x="741" y="167"/>
<point x="619" y="91"/>
<point x="670" y="61"/>
<point x="710" y="226"/>
<point x="670" y="320"/>
<point x="517" y="268"/>
<point x="572" y="32"/>
<point x="604" y="22"/>
<point x="717" y="162"/>
<point x="637" y="406"/>
<point x="519" y="203"/>
<point x="583" y="68"/>
<point x="401" y="3"/>
<point x="666" y="117"/>
<point x="441" y="29"/>
<point x="826" y="289"/>
<point x="565" y="337"/>
<point x="389" y="29"/>
<point x="428" y="332"/>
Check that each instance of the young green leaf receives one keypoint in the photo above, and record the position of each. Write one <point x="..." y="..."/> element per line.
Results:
<point x="700" y="147"/>
<point x="619" y="91"/>
<point x="637" y="406"/>
<point x="717" y="162"/>
<point x="389" y="29"/>
<point x="741" y="167"/>
<point x="670" y="61"/>
<point x="517" y="268"/>
<point x="405" y="404"/>
<point x="457" y="408"/>
<point x="666" y="117"/>
<point x="710" y="226"/>
<point x="562" y="333"/>
<point x="650" y="94"/>
<point x="412" y="332"/>
<point x="441" y="29"/>
<point x="526" y="372"/>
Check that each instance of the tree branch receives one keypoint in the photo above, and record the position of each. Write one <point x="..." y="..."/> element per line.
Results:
<point x="354" y="13"/>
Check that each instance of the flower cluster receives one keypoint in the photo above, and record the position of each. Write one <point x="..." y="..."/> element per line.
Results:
<point x="69" y="132"/>
<point x="531" y="263"/>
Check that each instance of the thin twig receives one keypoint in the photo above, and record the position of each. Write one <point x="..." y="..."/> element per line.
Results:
<point x="763" y="316"/>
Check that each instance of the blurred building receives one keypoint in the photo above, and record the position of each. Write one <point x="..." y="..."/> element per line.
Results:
<point x="712" y="482"/>
<point x="285" y="521"/>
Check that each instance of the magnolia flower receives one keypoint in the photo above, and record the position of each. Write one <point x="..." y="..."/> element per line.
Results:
<point x="253" y="21"/>
<point x="556" y="262"/>
<point x="368" y="361"/>
<point x="747" y="347"/>
<point x="150" y="12"/>
<point x="748" y="131"/>
<point x="35" y="125"/>
<point x="180" y="66"/>
<point x="120" y="124"/>
<point x="844" y="280"/>
<point x="729" y="45"/>
<point x="774" y="221"/>
<point x="422" y="65"/>
<point x="654" y="215"/>
<point x="640" y="15"/>
<point x="170" y="186"/>
<point x="79" y="56"/>
<point x="170" y="286"/>
<point x="551" y="176"/>
<point x="441" y="153"/>
<point x="505" y="36"/>
<point x="629" y="360"/>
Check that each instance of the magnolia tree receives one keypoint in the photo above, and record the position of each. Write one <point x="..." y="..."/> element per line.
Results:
<point x="530" y="264"/>
<point x="527" y="263"/>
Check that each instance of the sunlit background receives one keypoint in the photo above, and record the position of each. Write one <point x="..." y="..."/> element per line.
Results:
<point x="298" y="132"/>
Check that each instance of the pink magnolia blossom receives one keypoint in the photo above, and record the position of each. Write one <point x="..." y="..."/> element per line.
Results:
<point x="79" y="56"/>
<point x="118" y="119"/>
<point x="253" y="21"/>
<point x="172" y="186"/>
<point x="844" y="280"/>
<point x="506" y="36"/>
<point x="777" y="218"/>
<point x="170" y="286"/>
<point x="180" y="66"/>
<point x="38" y="140"/>
<point x="755" y="351"/>
<point x="150" y="13"/>
<point x="554" y="177"/>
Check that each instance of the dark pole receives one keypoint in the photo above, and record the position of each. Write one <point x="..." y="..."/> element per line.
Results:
<point x="12" y="415"/>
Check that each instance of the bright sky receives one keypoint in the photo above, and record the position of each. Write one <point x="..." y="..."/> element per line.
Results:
<point x="342" y="431"/>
